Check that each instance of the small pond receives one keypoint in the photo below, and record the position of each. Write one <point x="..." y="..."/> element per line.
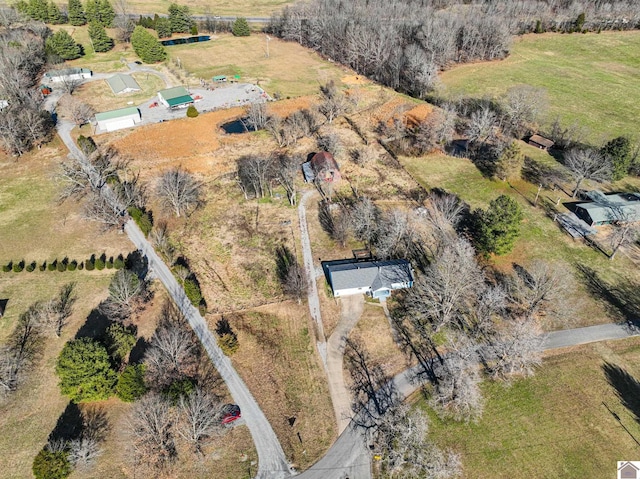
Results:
<point x="235" y="127"/>
<point x="182" y="41"/>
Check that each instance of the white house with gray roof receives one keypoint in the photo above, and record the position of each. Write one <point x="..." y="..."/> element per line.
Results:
<point x="374" y="278"/>
<point x="68" y="74"/>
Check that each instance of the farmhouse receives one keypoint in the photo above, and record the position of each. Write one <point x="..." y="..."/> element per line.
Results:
<point x="612" y="208"/>
<point x="118" y="119"/>
<point x="176" y="97"/>
<point x="68" y="74"/>
<point x="322" y="167"/>
<point x="374" y="278"/>
<point x="540" y="142"/>
<point x="121" y="83"/>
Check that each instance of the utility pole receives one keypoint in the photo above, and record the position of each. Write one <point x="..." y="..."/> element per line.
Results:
<point x="268" y="40"/>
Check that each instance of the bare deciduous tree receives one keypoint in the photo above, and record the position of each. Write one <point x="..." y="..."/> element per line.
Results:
<point x="257" y="116"/>
<point x="291" y="273"/>
<point x="334" y="219"/>
<point x="401" y="441"/>
<point x="199" y="418"/>
<point x="179" y="191"/>
<point x="397" y="235"/>
<point x="84" y="451"/>
<point x="364" y="220"/>
<point x="447" y="289"/>
<point x="523" y="105"/>
<point x="287" y="167"/>
<point x="586" y="164"/>
<point x="255" y="174"/>
<point x="101" y="210"/>
<point x="456" y="393"/>
<point x="482" y="126"/>
<point x="515" y="349"/>
<point x="151" y="425"/>
<point x="55" y="313"/>
<point x="126" y="291"/>
<point x="333" y="103"/>
<point x="538" y="288"/>
<point x="443" y="212"/>
<point x="171" y="355"/>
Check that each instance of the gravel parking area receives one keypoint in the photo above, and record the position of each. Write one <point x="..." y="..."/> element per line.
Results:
<point x="227" y="96"/>
<point x="222" y="97"/>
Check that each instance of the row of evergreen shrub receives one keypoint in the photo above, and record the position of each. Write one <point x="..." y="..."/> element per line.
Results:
<point x="100" y="262"/>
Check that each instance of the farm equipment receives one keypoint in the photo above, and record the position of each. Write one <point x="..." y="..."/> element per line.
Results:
<point x="154" y="104"/>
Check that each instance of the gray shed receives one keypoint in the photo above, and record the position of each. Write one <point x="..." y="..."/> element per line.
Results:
<point x="121" y="83"/>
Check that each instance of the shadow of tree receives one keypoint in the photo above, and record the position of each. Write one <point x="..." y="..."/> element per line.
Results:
<point x="95" y="326"/>
<point x="139" y="349"/>
<point x="69" y="424"/>
<point x="622" y="299"/>
<point x="627" y="387"/>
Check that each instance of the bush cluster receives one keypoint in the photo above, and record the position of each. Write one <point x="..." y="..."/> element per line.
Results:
<point x="66" y="264"/>
<point x="143" y="218"/>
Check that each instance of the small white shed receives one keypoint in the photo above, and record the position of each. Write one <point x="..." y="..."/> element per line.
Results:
<point x="118" y="119"/>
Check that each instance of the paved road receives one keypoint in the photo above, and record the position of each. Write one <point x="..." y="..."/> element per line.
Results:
<point x="272" y="462"/>
<point x="204" y="17"/>
<point x="573" y="337"/>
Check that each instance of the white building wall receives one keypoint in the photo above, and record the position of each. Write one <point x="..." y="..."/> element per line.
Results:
<point x="351" y="291"/>
<point x="119" y="123"/>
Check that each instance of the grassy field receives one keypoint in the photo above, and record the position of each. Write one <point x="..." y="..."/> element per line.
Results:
<point x="555" y="424"/>
<point x="290" y="69"/>
<point x="593" y="80"/>
<point x="541" y="238"/>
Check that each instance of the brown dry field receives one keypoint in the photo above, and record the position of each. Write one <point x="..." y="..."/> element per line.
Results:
<point x="100" y="97"/>
<point x="374" y="329"/>
<point x="278" y="361"/>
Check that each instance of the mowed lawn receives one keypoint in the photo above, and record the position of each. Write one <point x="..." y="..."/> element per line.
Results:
<point x="592" y="79"/>
<point x="555" y="424"/>
<point x="541" y="237"/>
<point x="290" y="69"/>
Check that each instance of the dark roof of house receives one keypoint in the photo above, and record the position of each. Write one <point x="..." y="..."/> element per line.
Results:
<point x="120" y="82"/>
<point x="324" y="160"/>
<point x="613" y="207"/>
<point x="368" y="274"/>
<point x="541" y="140"/>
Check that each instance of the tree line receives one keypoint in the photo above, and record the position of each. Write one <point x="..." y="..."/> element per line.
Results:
<point x="403" y="44"/>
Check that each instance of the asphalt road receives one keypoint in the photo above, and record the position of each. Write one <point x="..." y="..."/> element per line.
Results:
<point x="272" y="462"/>
<point x="204" y="17"/>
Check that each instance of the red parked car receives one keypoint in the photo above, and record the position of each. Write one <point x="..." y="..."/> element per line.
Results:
<point x="230" y="412"/>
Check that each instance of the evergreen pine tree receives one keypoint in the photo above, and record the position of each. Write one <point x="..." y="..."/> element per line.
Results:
<point x="510" y="162"/>
<point x="163" y="27"/>
<point x="76" y="13"/>
<point x="99" y="38"/>
<point x="91" y="11"/>
<point x="38" y="10"/>
<point x="106" y="13"/>
<point x="240" y="27"/>
<point x="618" y="152"/>
<point x="61" y="44"/>
<point x="496" y="229"/>
<point x="180" y="18"/>
<point x="54" y="14"/>
<point x="146" y="46"/>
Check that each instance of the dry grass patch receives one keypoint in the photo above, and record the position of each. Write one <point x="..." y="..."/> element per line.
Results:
<point x="290" y="70"/>
<point x="99" y="95"/>
<point x="374" y="330"/>
<point x="278" y="361"/>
